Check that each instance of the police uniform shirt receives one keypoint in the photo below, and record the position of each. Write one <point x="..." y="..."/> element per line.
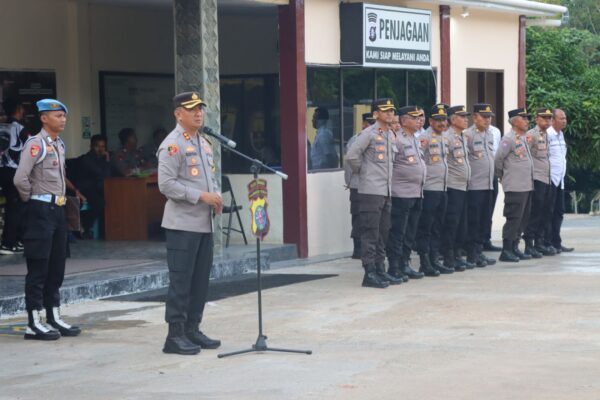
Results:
<point x="481" y="158"/>
<point x="513" y="164"/>
<point x="35" y="177"/>
<point x="409" y="167"/>
<point x="557" y="152"/>
<point x="371" y="157"/>
<point x="538" y="146"/>
<point x="186" y="169"/>
<point x="459" y="171"/>
<point x="435" y="152"/>
<point x="351" y="178"/>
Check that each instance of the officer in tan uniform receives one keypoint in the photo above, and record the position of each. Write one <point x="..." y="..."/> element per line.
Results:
<point x="41" y="182"/>
<point x="514" y="169"/>
<point x="407" y="194"/>
<point x="352" y="184"/>
<point x="371" y="157"/>
<point x="459" y="173"/>
<point x="186" y="178"/>
<point x="537" y="140"/>
<point x="480" y="189"/>
<point x="435" y="151"/>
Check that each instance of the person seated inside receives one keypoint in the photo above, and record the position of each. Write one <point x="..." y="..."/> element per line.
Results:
<point x="94" y="166"/>
<point x="129" y="160"/>
<point x="323" y="152"/>
<point x="149" y="150"/>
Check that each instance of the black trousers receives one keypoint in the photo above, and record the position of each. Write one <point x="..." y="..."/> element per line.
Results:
<point x="190" y="258"/>
<point x="455" y="225"/>
<point x="431" y="221"/>
<point x="539" y="216"/>
<point x="14" y="208"/>
<point x="375" y="226"/>
<point x="488" y="221"/>
<point x="479" y="203"/>
<point x="405" y="221"/>
<point x="355" y="213"/>
<point x="45" y="241"/>
<point x="517" y="206"/>
<point x="556" y="211"/>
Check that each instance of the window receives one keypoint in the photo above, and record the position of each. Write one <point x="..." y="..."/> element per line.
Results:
<point x="358" y="91"/>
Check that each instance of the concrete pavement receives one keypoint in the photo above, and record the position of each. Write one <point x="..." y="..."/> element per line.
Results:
<point x="512" y="331"/>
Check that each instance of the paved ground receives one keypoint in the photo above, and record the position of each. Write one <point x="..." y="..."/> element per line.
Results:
<point x="524" y="331"/>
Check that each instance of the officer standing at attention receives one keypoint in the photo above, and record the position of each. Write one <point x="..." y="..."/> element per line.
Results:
<point x="514" y="169"/>
<point x="459" y="173"/>
<point x="480" y="141"/>
<point x="371" y="157"/>
<point x="407" y="194"/>
<point x="435" y="149"/>
<point x="186" y="178"/>
<point x="41" y="182"/>
<point x="537" y="140"/>
<point x="352" y="184"/>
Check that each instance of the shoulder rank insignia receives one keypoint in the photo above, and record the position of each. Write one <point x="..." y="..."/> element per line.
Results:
<point x="186" y="135"/>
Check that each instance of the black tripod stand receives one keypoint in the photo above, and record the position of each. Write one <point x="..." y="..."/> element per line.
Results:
<point x="261" y="341"/>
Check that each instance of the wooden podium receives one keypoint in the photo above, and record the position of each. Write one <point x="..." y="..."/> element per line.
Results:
<point x="131" y="205"/>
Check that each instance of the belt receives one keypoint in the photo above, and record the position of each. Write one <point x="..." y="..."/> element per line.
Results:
<point x="50" y="198"/>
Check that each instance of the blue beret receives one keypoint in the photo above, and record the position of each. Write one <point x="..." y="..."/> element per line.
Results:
<point x="51" y="105"/>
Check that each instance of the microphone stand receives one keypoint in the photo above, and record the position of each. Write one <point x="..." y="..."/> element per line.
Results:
<point x="261" y="341"/>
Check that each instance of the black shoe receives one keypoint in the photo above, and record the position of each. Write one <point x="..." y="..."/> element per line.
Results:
<point x="384" y="276"/>
<point x="450" y="262"/>
<point x="466" y="264"/>
<point x="178" y="343"/>
<point x="10" y="250"/>
<point x="487" y="260"/>
<point x="519" y="253"/>
<point x="488" y="246"/>
<point x="531" y="250"/>
<point x="54" y="320"/>
<point x="474" y="259"/>
<point x="557" y="249"/>
<point x="507" y="254"/>
<point x="565" y="249"/>
<point x="37" y="330"/>
<point x="411" y="273"/>
<point x="195" y="335"/>
<point x="433" y="259"/>
<point x="426" y="268"/>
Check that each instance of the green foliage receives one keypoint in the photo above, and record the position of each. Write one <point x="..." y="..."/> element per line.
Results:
<point x="563" y="70"/>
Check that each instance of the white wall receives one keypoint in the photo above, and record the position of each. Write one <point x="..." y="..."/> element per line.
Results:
<point x="322" y="31"/>
<point x="329" y="221"/>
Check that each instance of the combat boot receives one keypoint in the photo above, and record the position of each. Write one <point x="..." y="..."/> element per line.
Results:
<point x="177" y="342"/>
<point x="472" y="257"/>
<point x="54" y="320"/>
<point x="384" y="276"/>
<point x="547" y="251"/>
<point x="488" y="246"/>
<point x="531" y="250"/>
<point x="450" y="261"/>
<point x="408" y="271"/>
<point x="507" y="252"/>
<point x="518" y="252"/>
<point x="356" y="254"/>
<point x="487" y="260"/>
<point x="371" y="279"/>
<point x="394" y="269"/>
<point x="195" y="335"/>
<point x="435" y="263"/>
<point x="426" y="268"/>
<point x="464" y="263"/>
<point x="37" y="330"/>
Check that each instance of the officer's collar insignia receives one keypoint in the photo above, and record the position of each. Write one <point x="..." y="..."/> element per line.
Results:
<point x="186" y="135"/>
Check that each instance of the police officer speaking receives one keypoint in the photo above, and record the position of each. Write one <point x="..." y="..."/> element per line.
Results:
<point x="186" y="177"/>
<point x="40" y="180"/>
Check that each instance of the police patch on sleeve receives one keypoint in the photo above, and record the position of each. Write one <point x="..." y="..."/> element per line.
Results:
<point x="35" y="150"/>
<point x="172" y="149"/>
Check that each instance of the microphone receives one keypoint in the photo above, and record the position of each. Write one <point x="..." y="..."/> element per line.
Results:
<point x="221" y="138"/>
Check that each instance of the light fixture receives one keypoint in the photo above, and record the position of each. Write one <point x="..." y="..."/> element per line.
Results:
<point x="465" y="12"/>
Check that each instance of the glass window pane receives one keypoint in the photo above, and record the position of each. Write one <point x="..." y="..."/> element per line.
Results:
<point x="323" y="117"/>
<point x="392" y="83"/>
<point x="421" y="89"/>
<point x="358" y="96"/>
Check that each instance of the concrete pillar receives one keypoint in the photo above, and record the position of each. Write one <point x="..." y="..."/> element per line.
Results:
<point x="522" y="84"/>
<point x="445" y="68"/>
<point x="197" y="68"/>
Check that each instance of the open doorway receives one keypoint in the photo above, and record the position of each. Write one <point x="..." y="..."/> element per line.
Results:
<point x="487" y="86"/>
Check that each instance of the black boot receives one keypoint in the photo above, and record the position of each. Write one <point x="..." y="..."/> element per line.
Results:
<point x="435" y="263"/>
<point x="408" y="271"/>
<point x="426" y="268"/>
<point x="195" y="335"/>
<point x="488" y="246"/>
<point x="371" y="279"/>
<point x="487" y="260"/>
<point x="518" y="252"/>
<point x="37" y="330"/>
<point x="531" y="250"/>
<point x="177" y="342"/>
<point x="473" y="258"/>
<point x="356" y="253"/>
<point x="384" y="276"/>
<point x="54" y="320"/>
<point x="464" y="263"/>
<point x="547" y="251"/>
<point x="507" y="252"/>
<point x="450" y="261"/>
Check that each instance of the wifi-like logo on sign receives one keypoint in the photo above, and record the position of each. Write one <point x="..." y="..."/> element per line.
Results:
<point x="372" y="18"/>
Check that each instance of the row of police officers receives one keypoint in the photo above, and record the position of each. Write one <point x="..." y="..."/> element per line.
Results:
<point x="434" y="190"/>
